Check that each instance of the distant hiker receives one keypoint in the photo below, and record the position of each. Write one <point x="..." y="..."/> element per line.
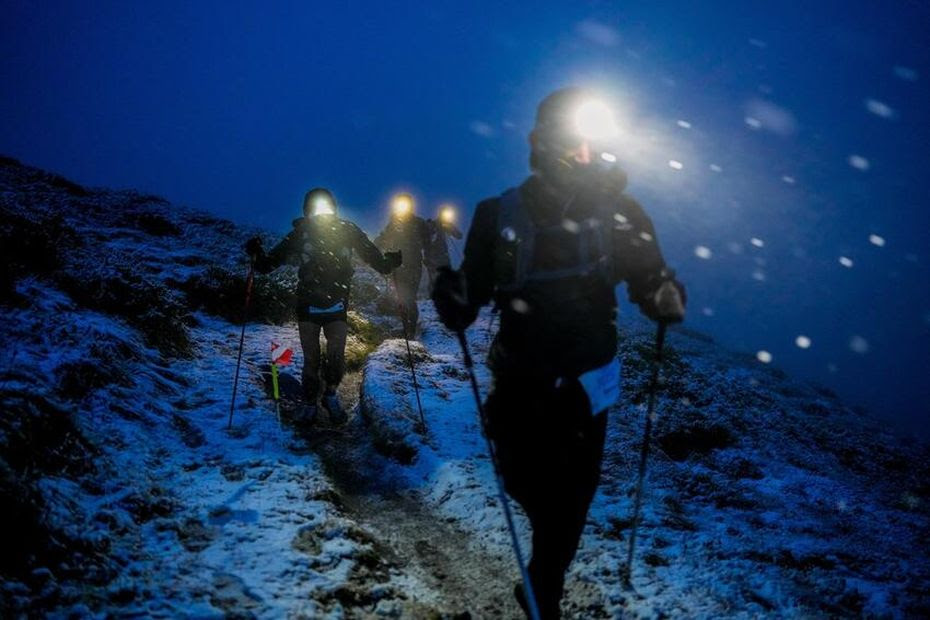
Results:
<point x="321" y="245"/>
<point x="549" y="253"/>
<point x="437" y="246"/>
<point x="409" y="234"/>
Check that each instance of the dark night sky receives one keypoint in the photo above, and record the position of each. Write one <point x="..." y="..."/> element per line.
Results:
<point x="238" y="108"/>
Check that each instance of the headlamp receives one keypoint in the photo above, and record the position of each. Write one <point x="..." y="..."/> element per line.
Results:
<point x="323" y="206"/>
<point x="594" y="121"/>
<point x="402" y="204"/>
<point x="447" y="214"/>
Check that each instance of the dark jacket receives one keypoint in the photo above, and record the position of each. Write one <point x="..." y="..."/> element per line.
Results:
<point x="321" y="247"/>
<point x="563" y="327"/>
<point x="410" y="235"/>
<point x="437" y="249"/>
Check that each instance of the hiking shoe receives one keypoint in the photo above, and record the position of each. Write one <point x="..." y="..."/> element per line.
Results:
<point x="305" y="415"/>
<point x="337" y="414"/>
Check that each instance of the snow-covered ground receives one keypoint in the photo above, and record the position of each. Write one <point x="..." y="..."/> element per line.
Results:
<point x="764" y="497"/>
<point x="129" y="495"/>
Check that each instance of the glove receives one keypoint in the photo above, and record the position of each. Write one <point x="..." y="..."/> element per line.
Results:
<point x="393" y="260"/>
<point x="669" y="302"/>
<point x="451" y="300"/>
<point x="253" y="247"/>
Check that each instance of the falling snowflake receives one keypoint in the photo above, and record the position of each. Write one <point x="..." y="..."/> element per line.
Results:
<point x="845" y="261"/>
<point x="877" y="240"/>
<point x="753" y="122"/>
<point x="788" y="179"/>
<point x="764" y="356"/>
<point x="703" y="252"/>
<point x="859" y="162"/>
<point x="707" y="311"/>
<point x="879" y="108"/>
<point x="906" y="73"/>
<point x="758" y="275"/>
<point x="674" y="163"/>
<point x="803" y="342"/>
<point x="716" y="168"/>
<point x="757" y="242"/>
<point x="481" y="128"/>
<point x="519" y="306"/>
<point x="684" y="124"/>
<point x="858" y="344"/>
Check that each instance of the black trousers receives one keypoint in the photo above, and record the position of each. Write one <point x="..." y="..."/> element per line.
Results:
<point x="335" y="362"/>
<point x="549" y="449"/>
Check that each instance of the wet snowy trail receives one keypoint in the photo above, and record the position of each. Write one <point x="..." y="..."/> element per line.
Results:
<point x="311" y="523"/>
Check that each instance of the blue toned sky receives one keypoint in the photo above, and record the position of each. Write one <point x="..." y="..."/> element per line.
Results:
<point x="801" y="127"/>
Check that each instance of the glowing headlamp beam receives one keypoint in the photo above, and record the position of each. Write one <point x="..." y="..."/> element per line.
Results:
<point x="447" y="214"/>
<point x="323" y="206"/>
<point x="402" y="204"/>
<point x="594" y="120"/>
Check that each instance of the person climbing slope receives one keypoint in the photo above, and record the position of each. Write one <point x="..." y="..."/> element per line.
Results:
<point x="321" y="244"/>
<point x="549" y="254"/>
<point x="437" y="247"/>
<point x="408" y="233"/>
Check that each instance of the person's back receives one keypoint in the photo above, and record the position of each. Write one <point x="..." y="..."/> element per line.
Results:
<point x="549" y="254"/>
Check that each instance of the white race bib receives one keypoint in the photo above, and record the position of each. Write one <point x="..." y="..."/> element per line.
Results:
<point x="602" y="385"/>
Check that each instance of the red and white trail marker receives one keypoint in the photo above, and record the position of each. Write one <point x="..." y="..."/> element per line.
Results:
<point x="280" y="354"/>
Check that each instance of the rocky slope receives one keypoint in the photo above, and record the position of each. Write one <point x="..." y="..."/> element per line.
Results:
<point x="127" y="494"/>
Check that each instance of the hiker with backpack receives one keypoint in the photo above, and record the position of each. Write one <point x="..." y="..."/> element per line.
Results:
<point x="437" y="246"/>
<point x="407" y="233"/>
<point x="549" y="253"/>
<point x="321" y="245"/>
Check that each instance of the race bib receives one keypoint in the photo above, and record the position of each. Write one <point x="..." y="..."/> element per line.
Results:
<point x="602" y="385"/>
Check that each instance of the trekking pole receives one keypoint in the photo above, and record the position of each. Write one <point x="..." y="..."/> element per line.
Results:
<point x="502" y="496"/>
<point x="413" y="372"/>
<point x="245" y="314"/>
<point x="644" y="451"/>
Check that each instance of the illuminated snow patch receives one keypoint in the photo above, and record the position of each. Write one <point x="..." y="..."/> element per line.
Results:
<point x="803" y="342"/>
<point x="906" y="73"/>
<point x="684" y="124"/>
<point x="703" y="252"/>
<point x="674" y="163"/>
<point x="716" y="168"/>
<point x="764" y="356"/>
<point x="845" y="261"/>
<point x="788" y="179"/>
<point x="877" y="240"/>
<point x="879" y="108"/>
<point x="858" y="344"/>
<point x="756" y="241"/>
<point x="859" y="162"/>
<point x="755" y="123"/>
